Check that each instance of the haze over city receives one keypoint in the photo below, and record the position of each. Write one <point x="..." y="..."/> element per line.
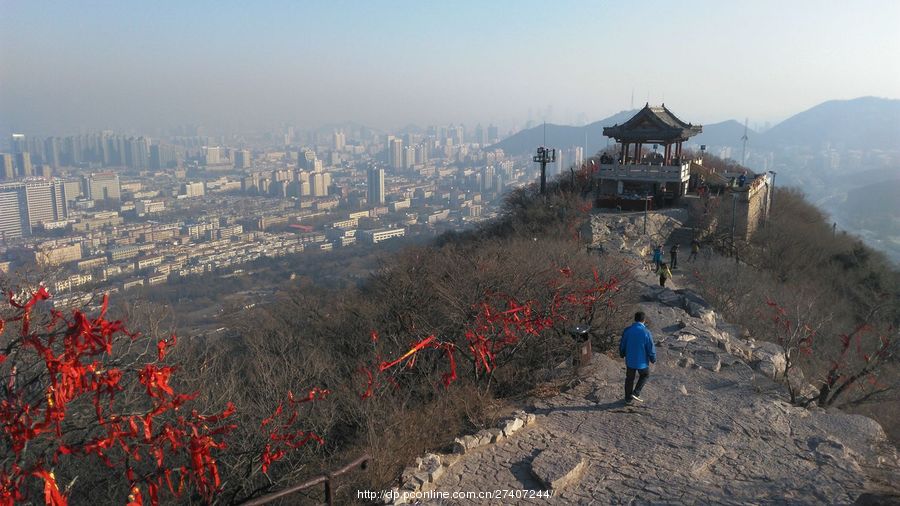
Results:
<point x="73" y="66"/>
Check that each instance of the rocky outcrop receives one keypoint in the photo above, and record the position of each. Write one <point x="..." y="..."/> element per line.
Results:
<point x="715" y="427"/>
<point x="625" y="231"/>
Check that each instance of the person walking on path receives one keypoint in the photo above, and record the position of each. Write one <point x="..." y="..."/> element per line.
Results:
<point x="664" y="274"/>
<point x="695" y="249"/>
<point x="657" y="257"/>
<point x="673" y="254"/>
<point x="636" y="347"/>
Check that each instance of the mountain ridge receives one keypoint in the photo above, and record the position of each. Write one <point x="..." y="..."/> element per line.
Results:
<point x="859" y="123"/>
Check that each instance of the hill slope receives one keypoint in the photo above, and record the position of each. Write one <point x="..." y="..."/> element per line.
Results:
<point x="725" y="133"/>
<point x="860" y="123"/>
<point x="714" y="427"/>
<point x="562" y="136"/>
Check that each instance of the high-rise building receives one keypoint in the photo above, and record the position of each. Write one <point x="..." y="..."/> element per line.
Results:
<point x="52" y="152"/>
<point x="480" y="135"/>
<point x="7" y="166"/>
<point x="13" y="211"/>
<point x="421" y="154"/>
<point x="319" y="183"/>
<point x="493" y="134"/>
<point x="196" y="189"/>
<point x="18" y="143"/>
<point x="339" y="140"/>
<point x="306" y="159"/>
<point x="578" y="155"/>
<point x="163" y="157"/>
<point x="409" y="157"/>
<point x="46" y="201"/>
<point x="72" y="190"/>
<point x="103" y="186"/>
<point x="24" y="205"/>
<point x="459" y="135"/>
<point x="137" y="153"/>
<point x="23" y="164"/>
<point x="395" y="153"/>
<point x="242" y="159"/>
<point x="212" y="155"/>
<point x="375" y="187"/>
<point x="487" y="178"/>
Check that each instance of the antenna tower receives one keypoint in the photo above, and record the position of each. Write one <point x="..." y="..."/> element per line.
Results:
<point x="544" y="156"/>
<point x="744" y="140"/>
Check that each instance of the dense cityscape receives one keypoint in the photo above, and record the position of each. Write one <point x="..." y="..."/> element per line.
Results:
<point x="113" y="212"/>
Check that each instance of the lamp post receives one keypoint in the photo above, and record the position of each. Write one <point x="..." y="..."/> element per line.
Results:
<point x="733" y="213"/>
<point x="646" y="211"/>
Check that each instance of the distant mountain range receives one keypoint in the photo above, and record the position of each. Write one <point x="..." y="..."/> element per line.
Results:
<point x="562" y="136"/>
<point x="861" y="123"/>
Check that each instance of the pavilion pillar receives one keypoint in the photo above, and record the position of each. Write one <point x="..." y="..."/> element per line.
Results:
<point x="623" y="153"/>
<point x="666" y="154"/>
<point x="637" y="152"/>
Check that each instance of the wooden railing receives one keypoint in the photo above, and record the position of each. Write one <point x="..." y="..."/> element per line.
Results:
<point x="327" y="479"/>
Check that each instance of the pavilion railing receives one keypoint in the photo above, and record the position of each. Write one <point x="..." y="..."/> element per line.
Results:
<point x="328" y="479"/>
<point x="645" y="171"/>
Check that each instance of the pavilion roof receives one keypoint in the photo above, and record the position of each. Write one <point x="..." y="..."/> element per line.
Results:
<point x="653" y="124"/>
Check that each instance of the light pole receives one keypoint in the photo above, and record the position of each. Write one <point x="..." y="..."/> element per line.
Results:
<point x="733" y="213"/>
<point x="773" y="187"/>
<point x="646" y="210"/>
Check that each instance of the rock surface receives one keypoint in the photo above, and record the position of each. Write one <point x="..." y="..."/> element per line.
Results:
<point x="557" y="466"/>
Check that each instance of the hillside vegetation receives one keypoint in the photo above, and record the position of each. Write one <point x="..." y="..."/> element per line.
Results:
<point x="833" y="302"/>
<point x="436" y="342"/>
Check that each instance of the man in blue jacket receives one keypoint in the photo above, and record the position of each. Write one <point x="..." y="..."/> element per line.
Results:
<point x="636" y="347"/>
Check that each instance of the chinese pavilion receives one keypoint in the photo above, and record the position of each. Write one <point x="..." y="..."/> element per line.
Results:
<point x="634" y="169"/>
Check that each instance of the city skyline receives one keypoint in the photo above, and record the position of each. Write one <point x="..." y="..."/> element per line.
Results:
<point x="98" y="65"/>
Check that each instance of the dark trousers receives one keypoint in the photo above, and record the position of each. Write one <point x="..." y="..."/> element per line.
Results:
<point x="630" y="389"/>
<point x="674" y="261"/>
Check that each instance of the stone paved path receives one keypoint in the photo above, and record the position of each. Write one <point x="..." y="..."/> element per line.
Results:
<point x="701" y="436"/>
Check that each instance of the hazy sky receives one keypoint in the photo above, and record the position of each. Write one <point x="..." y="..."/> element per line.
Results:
<point x="251" y="64"/>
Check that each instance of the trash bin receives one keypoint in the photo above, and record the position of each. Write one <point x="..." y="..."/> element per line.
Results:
<point x="582" y="353"/>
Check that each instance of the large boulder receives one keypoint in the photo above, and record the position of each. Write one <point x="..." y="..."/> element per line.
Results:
<point x="769" y="359"/>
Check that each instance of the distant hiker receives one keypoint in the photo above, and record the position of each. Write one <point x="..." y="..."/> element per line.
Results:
<point x="664" y="274"/>
<point x="673" y="255"/>
<point x="657" y="257"/>
<point x="742" y="179"/>
<point x="636" y="347"/>
<point x="695" y="249"/>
